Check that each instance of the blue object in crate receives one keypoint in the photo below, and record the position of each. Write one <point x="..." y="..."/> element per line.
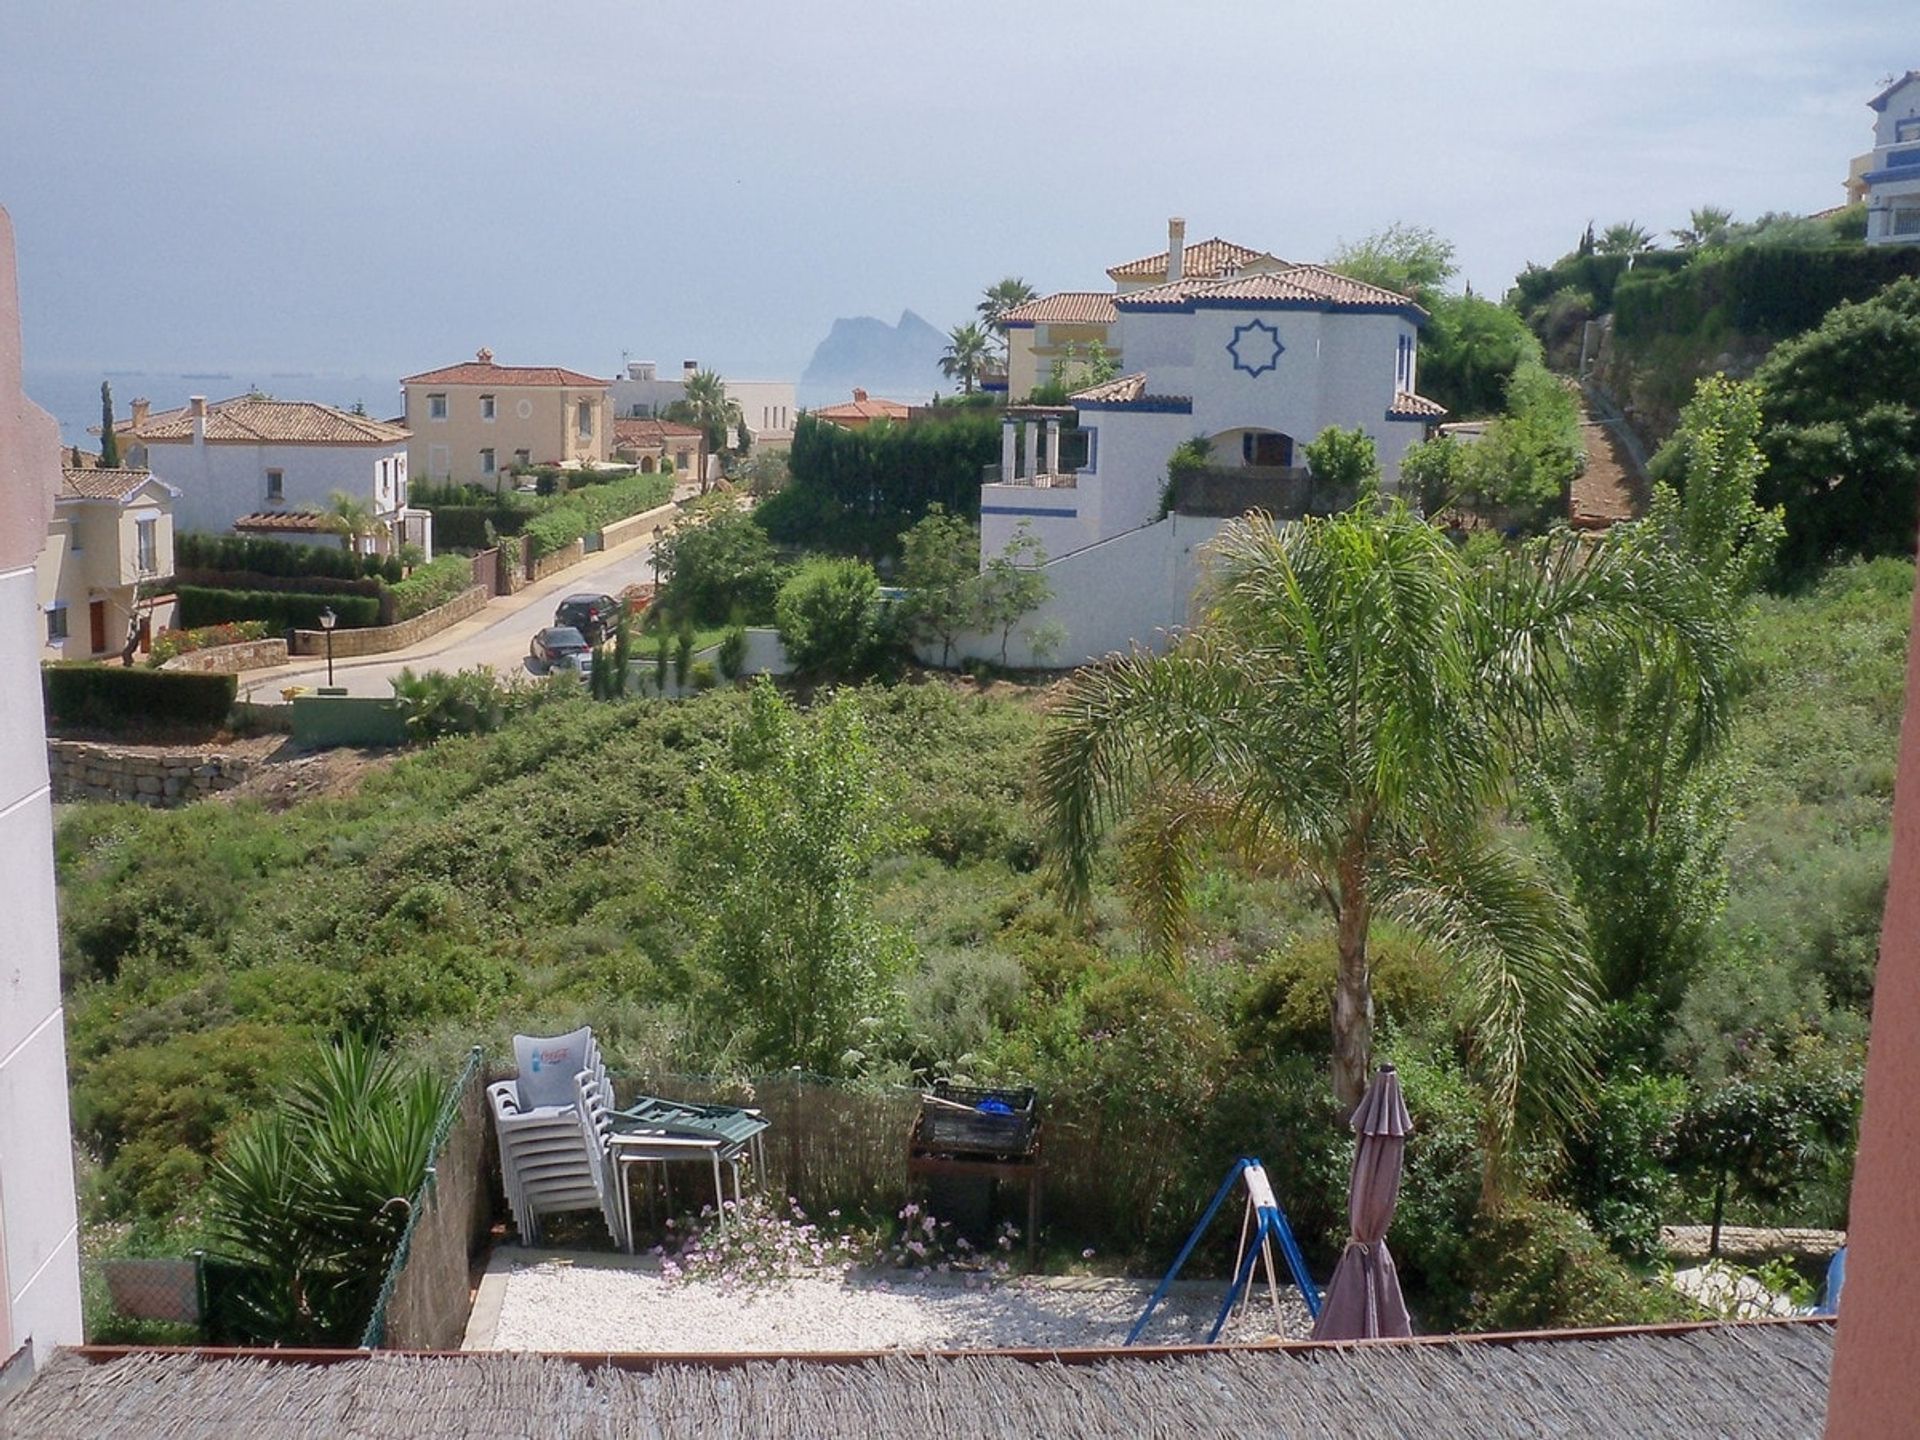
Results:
<point x="994" y="1105"/>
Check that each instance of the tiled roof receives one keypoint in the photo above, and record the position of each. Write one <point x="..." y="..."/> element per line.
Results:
<point x="863" y="407"/>
<point x="308" y="522"/>
<point x="1204" y="259"/>
<point x="1127" y="387"/>
<point x="257" y="420"/>
<point x="117" y="485"/>
<point x="1301" y="283"/>
<point x="653" y="432"/>
<point x="485" y="372"/>
<point x="1069" y="307"/>
<point x="1415" y="405"/>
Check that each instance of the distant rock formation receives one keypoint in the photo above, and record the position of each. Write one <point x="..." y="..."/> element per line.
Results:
<point x="899" y="361"/>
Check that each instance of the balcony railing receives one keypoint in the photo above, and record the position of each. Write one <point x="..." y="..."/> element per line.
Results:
<point x="1058" y="480"/>
<point x="1286" y="492"/>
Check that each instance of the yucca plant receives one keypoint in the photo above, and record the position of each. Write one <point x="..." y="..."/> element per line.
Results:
<point x="313" y="1197"/>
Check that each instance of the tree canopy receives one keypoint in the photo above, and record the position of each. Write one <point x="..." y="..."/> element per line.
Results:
<point x="1409" y="259"/>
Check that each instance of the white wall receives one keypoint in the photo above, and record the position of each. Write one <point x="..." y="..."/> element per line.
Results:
<point x="221" y="482"/>
<point x="767" y="406"/>
<point x="1134" y="588"/>
<point x="39" y="1229"/>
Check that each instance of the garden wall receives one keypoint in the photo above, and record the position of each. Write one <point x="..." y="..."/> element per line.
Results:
<point x="81" y="770"/>
<point x="378" y="639"/>
<point x="635" y="526"/>
<point x="570" y="554"/>
<point x="231" y="659"/>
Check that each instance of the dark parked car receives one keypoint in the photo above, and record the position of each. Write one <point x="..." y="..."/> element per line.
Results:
<point x="561" y="647"/>
<point x="594" y="616"/>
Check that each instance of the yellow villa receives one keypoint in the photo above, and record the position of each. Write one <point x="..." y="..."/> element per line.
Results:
<point x="111" y="531"/>
<point x="472" y="422"/>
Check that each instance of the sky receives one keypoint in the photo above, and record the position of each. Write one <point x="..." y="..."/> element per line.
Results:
<point x="383" y="186"/>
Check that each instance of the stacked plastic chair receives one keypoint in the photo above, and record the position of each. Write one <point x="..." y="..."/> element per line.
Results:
<point x="592" y="1100"/>
<point x="548" y="1154"/>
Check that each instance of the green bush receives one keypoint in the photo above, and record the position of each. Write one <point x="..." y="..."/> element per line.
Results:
<point x="116" y="695"/>
<point x="1537" y="1265"/>
<point x="1772" y="290"/>
<point x="1618" y="1162"/>
<point x="715" y="572"/>
<point x="283" y="610"/>
<point x="431" y="586"/>
<point x="595" y="506"/>
<point x="732" y="653"/>
<point x="829" y="618"/>
<point x="247" y="554"/>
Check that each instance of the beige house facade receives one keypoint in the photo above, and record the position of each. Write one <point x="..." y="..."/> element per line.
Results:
<point x="471" y="423"/>
<point x="111" y="532"/>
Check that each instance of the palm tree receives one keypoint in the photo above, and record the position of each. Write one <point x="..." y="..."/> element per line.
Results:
<point x="1706" y="226"/>
<point x="709" y="407"/>
<point x="352" y="518"/>
<point x="998" y="299"/>
<point x="1625" y="237"/>
<point x="1348" y="711"/>
<point x="967" y="353"/>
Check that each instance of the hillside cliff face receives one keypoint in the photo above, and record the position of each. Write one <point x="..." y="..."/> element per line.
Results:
<point x="1652" y="380"/>
<point x="901" y="360"/>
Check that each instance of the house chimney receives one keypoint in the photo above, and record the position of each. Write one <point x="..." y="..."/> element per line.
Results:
<point x="687" y="367"/>
<point x="198" y="405"/>
<point x="140" y="408"/>
<point x="483" y="355"/>
<point x="1176" y="249"/>
<point x="859" y="395"/>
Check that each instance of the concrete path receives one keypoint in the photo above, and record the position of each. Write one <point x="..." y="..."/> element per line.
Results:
<point x="496" y="637"/>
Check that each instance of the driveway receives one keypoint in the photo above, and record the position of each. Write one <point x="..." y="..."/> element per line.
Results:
<point x="497" y="637"/>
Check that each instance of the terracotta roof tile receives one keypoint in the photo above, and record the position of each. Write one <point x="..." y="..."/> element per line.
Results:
<point x="1415" y="405"/>
<point x="485" y="372"/>
<point x="653" y="432"/>
<point x="1127" y="387"/>
<point x="1069" y="307"/>
<point x="257" y="420"/>
<point x="100" y="484"/>
<point x="1305" y="283"/>
<point x="863" y="407"/>
<point x="1204" y="260"/>
<point x="309" y="522"/>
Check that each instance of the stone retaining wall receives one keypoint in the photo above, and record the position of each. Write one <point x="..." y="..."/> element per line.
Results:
<point x="378" y="639"/>
<point x="572" y="553"/>
<point x="146" y="776"/>
<point x="231" y="659"/>
<point x="634" y="526"/>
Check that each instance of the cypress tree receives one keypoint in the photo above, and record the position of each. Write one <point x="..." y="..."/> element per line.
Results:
<point x="109" y="442"/>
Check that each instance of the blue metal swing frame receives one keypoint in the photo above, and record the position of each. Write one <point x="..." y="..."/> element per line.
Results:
<point x="1270" y="1223"/>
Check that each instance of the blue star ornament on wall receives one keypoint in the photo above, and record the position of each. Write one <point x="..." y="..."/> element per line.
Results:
<point x="1255" y="347"/>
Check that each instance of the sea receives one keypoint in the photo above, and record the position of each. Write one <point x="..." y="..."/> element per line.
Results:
<point x="72" y="396"/>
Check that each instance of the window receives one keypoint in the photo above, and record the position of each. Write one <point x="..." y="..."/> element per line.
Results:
<point x="276" y="485"/>
<point x="1905" y="220"/>
<point x="1076" y="450"/>
<point x="486" y="462"/>
<point x="76" y="533"/>
<point x="683" y="459"/>
<point x="583" y="419"/>
<point x="436" y="407"/>
<point x="146" y="546"/>
<point x="486" y="407"/>
<point x="56" y="622"/>
<point x="1908" y="129"/>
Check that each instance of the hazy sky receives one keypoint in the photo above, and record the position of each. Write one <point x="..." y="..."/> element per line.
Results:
<point x="383" y="187"/>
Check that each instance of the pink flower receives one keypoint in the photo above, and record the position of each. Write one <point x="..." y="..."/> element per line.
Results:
<point x="1087" y="1254"/>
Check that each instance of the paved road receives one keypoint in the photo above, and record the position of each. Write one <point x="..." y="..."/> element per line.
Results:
<point x="496" y="637"/>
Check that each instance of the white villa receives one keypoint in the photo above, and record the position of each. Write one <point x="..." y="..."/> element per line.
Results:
<point x="253" y="458"/>
<point x="767" y="407"/>
<point x="1257" y="364"/>
<point x="1888" y="176"/>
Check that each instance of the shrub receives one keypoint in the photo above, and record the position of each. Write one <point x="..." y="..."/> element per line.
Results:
<point x="282" y="610"/>
<point x="1537" y="1265"/>
<point x="170" y="643"/>
<point x="702" y="675"/>
<point x="732" y="653"/>
<point x="594" y="506"/>
<point x="247" y="554"/>
<point x="431" y="586"/>
<point x="829" y="618"/>
<point x="1618" y="1163"/>
<point x="116" y="695"/>
<point x="468" y="702"/>
<point x="719" y="570"/>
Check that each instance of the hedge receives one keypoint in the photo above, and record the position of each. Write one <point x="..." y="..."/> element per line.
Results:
<point x="289" y="584"/>
<point x="464" y="527"/>
<point x="1770" y="290"/>
<point x="582" y="511"/>
<point x="246" y="553"/>
<point x="203" y="605"/>
<point x="85" y="694"/>
<point x="431" y="586"/>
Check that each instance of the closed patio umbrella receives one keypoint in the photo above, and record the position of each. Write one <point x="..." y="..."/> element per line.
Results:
<point x="1363" y="1299"/>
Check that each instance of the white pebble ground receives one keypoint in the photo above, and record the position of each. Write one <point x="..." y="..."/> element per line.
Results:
<point x="594" y="1305"/>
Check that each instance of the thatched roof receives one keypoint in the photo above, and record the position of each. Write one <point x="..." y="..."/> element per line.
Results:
<point x="1765" y="1378"/>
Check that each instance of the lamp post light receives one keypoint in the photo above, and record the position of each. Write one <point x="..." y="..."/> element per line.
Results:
<point x="327" y="621"/>
<point x="654" y="556"/>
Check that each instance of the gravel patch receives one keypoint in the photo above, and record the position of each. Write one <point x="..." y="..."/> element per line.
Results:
<point x="561" y="1305"/>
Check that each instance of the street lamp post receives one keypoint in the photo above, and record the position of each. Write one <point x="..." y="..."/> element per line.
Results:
<point x="658" y="531"/>
<point x="327" y="621"/>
